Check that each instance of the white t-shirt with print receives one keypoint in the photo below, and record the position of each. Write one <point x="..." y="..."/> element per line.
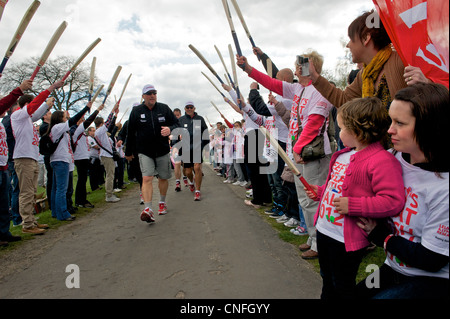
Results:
<point x="93" y="153"/>
<point x="311" y="102"/>
<point x="82" y="150"/>
<point x="101" y="134"/>
<point x="3" y="146"/>
<point x="26" y="135"/>
<point x="425" y="218"/>
<point x="63" y="152"/>
<point x="330" y="222"/>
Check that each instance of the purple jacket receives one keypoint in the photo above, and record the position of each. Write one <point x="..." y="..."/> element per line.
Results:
<point x="374" y="185"/>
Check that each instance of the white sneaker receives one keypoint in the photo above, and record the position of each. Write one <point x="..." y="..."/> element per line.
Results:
<point x="291" y="223"/>
<point x="112" y="199"/>
<point x="299" y="231"/>
<point x="243" y="184"/>
<point x="282" y="219"/>
<point x="237" y="183"/>
<point x="117" y="190"/>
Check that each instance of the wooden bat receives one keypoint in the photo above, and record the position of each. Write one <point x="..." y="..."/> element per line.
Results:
<point x="2" y="7"/>
<point x="233" y="31"/>
<point x="213" y="84"/>
<point x="202" y="58"/>
<point x="124" y="88"/>
<point x="241" y="17"/>
<point x="81" y="58"/>
<point x="113" y="81"/>
<point x="233" y="67"/>
<point x="92" y="77"/>
<point x="216" y="107"/>
<point x="50" y="46"/>
<point x="287" y="160"/>
<point x="19" y="32"/>
<point x="97" y="93"/>
<point x="124" y="114"/>
<point x="224" y="65"/>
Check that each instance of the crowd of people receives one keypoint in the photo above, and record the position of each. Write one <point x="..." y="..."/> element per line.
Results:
<point x="371" y="153"/>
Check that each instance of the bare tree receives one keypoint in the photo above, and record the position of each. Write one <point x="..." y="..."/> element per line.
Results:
<point x="73" y="95"/>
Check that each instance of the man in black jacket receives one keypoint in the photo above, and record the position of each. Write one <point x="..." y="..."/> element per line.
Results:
<point x="194" y="126"/>
<point x="149" y="127"/>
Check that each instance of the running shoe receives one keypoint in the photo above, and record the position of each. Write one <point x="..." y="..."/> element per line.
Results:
<point x="162" y="208"/>
<point x="197" y="196"/>
<point x="178" y="187"/>
<point x="147" y="215"/>
<point x="192" y="187"/>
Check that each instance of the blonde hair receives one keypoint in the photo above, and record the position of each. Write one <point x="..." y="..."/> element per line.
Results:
<point x="368" y="119"/>
<point x="316" y="58"/>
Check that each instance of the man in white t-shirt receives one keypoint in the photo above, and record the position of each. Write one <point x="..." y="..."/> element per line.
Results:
<point x="26" y="154"/>
<point x="106" y="152"/>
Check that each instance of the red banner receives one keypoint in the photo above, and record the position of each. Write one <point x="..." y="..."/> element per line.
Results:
<point x="419" y="30"/>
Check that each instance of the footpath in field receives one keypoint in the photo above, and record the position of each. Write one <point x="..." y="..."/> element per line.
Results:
<point x="217" y="248"/>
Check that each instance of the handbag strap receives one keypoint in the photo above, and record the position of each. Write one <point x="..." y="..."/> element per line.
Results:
<point x="298" y="120"/>
<point x="98" y="143"/>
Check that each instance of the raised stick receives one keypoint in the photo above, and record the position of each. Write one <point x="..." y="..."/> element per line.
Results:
<point x="124" y="88"/>
<point x="92" y="77"/>
<point x="202" y="58"/>
<point x="224" y="65"/>
<point x="19" y="32"/>
<point x="2" y="7"/>
<point x="97" y="93"/>
<point x="287" y="160"/>
<point x="213" y="84"/>
<point x="50" y="46"/>
<point x="81" y="58"/>
<point x="112" y="83"/>
<point x="241" y="17"/>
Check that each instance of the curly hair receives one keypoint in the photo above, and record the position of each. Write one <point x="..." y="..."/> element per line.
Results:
<point x="368" y="119"/>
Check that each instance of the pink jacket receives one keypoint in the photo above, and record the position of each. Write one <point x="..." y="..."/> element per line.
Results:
<point x="374" y="185"/>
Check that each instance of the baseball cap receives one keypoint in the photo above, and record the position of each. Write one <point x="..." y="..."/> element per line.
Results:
<point x="148" y="88"/>
<point x="189" y="103"/>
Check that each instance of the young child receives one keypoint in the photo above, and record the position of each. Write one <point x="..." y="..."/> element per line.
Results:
<point x="364" y="180"/>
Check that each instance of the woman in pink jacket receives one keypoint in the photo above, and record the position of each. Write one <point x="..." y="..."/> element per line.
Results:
<point x="365" y="180"/>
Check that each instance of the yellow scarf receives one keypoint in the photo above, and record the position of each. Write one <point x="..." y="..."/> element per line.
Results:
<point x="373" y="69"/>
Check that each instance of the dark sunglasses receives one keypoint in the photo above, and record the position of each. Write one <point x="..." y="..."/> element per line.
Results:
<point x="151" y="93"/>
<point x="189" y="107"/>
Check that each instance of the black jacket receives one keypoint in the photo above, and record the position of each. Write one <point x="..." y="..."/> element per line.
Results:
<point x="144" y="130"/>
<point x="194" y="125"/>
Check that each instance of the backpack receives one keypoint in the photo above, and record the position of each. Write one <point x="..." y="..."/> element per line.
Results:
<point x="46" y="146"/>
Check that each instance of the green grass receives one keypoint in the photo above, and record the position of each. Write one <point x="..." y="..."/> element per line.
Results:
<point x="97" y="198"/>
<point x="376" y="256"/>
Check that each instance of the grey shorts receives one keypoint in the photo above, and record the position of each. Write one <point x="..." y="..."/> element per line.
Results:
<point x="159" y="166"/>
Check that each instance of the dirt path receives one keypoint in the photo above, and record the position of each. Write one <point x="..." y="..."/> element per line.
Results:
<point x="215" y="249"/>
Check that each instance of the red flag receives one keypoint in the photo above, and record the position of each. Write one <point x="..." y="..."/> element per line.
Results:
<point x="419" y="30"/>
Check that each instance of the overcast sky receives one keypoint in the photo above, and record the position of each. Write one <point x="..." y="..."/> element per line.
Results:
<point x="150" y="39"/>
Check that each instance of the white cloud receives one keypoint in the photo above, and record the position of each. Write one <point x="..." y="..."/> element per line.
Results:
<point x="150" y="40"/>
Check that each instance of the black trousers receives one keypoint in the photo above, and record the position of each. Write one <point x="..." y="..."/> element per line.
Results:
<point x="253" y="147"/>
<point x="80" y="190"/>
<point x="95" y="173"/>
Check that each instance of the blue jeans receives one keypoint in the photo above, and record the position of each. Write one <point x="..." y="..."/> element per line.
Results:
<point x="4" y="205"/>
<point x="394" y="285"/>
<point x="14" y="191"/>
<point x="59" y="190"/>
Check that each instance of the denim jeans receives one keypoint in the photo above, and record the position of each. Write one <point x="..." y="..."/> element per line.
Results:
<point x="394" y="285"/>
<point x="14" y="191"/>
<point x="4" y="207"/>
<point x="59" y="190"/>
